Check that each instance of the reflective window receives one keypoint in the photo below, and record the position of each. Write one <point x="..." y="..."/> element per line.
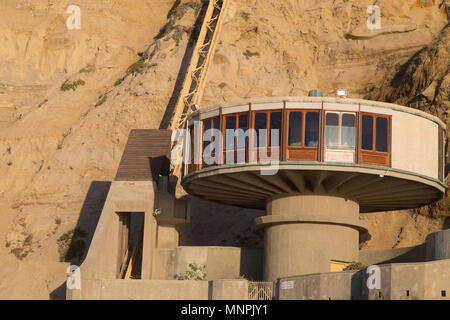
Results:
<point x="367" y="132"/>
<point x="348" y="130"/>
<point x="230" y="126"/>
<point x="260" y="139"/>
<point x="243" y="125"/>
<point x="216" y="125"/>
<point x="208" y="137"/>
<point x="311" y="129"/>
<point x="275" y="124"/>
<point x="206" y="134"/>
<point x="295" y="129"/>
<point x="332" y="130"/>
<point x="381" y="135"/>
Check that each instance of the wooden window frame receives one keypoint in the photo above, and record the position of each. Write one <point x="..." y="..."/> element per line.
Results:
<point x="203" y="165"/>
<point x="191" y="167"/>
<point x="254" y="150"/>
<point x="247" y="138"/>
<point x="340" y="113"/>
<point x="312" y="153"/>
<point x="369" y="156"/>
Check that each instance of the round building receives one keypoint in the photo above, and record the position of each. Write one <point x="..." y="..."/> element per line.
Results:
<point x="314" y="163"/>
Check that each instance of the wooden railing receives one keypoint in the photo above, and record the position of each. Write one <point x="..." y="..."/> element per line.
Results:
<point x="194" y="82"/>
<point x="195" y="79"/>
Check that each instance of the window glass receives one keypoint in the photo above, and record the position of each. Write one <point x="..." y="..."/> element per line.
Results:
<point x="216" y="123"/>
<point x="295" y="129"/>
<point x="311" y="129"/>
<point x="243" y="124"/>
<point x="332" y="130"/>
<point x="348" y="130"/>
<point x="367" y="132"/>
<point x="230" y="126"/>
<point x="381" y="132"/>
<point x="275" y="124"/>
<point x="260" y="139"/>
<point x="206" y="134"/>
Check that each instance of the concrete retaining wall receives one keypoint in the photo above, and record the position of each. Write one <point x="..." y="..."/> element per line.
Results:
<point x="220" y="262"/>
<point x="399" y="281"/>
<point x="118" y="289"/>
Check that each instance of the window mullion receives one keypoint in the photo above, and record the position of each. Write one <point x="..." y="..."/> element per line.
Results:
<point x="374" y="134"/>
<point x="303" y="128"/>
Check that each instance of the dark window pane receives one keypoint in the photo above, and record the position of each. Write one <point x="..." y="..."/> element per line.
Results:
<point x="381" y="132"/>
<point x="215" y="140"/>
<point x="243" y="125"/>
<point x="216" y="123"/>
<point x="295" y="129"/>
<point x="275" y="124"/>
<point x="243" y="121"/>
<point x="260" y="139"/>
<point x="206" y="133"/>
<point x="332" y="130"/>
<point x="367" y="132"/>
<point x="311" y="129"/>
<point x="348" y="131"/>
<point x="230" y="125"/>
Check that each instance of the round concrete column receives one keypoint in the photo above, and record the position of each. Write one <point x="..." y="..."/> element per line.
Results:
<point x="304" y="233"/>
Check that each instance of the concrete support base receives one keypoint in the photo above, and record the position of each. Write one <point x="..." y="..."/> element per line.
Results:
<point x="305" y="233"/>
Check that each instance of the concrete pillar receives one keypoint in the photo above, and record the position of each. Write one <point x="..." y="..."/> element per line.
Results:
<point x="438" y="245"/>
<point x="303" y="233"/>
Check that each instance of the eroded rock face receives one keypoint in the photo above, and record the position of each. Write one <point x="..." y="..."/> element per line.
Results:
<point x="59" y="147"/>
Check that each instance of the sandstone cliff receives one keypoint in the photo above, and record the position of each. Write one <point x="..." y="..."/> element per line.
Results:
<point x="59" y="148"/>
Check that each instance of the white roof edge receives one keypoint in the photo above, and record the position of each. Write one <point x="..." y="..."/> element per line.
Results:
<point x="325" y="99"/>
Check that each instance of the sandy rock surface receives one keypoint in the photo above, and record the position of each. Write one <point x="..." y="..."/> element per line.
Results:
<point x="59" y="149"/>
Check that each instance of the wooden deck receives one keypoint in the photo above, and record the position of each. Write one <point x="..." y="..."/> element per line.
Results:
<point x="146" y="155"/>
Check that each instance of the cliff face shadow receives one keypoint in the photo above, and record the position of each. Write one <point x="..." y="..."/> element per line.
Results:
<point x="214" y="224"/>
<point x="59" y="293"/>
<point x="446" y="223"/>
<point x="165" y="122"/>
<point x="87" y="222"/>
<point x="83" y="233"/>
<point x="358" y="289"/>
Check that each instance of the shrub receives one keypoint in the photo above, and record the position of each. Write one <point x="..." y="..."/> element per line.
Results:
<point x="355" y="266"/>
<point x="119" y="81"/>
<point x="248" y="54"/>
<point x="69" y="247"/>
<point x="67" y="85"/>
<point x="137" y="67"/>
<point x="101" y="101"/>
<point x="195" y="272"/>
<point x="42" y="103"/>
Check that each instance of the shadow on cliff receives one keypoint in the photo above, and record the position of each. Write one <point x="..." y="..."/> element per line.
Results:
<point x="84" y="230"/>
<point x="167" y="118"/>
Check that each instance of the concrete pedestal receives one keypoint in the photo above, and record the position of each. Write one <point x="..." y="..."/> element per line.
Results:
<point x="305" y="233"/>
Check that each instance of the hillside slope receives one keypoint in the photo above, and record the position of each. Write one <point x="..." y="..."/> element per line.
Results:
<point x="59" y="148"/>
